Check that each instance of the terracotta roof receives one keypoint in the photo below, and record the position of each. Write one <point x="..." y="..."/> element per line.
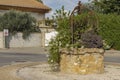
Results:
<point x="33" y="4"/>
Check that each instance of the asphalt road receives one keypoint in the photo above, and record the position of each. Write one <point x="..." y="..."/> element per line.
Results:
<point x="9" y="58"/>
<point x="114" y="59"/>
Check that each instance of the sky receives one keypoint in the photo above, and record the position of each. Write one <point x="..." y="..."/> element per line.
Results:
<point x="57" y="4"/>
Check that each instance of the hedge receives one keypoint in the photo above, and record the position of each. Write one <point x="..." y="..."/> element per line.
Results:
<point x="109" y="29"/>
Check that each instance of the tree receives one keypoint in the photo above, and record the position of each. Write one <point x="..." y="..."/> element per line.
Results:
<point x="40" y="1"/>
<point x="17" y="21"/>
<point x="61" y="14"/>
<point x="107" y="6"/>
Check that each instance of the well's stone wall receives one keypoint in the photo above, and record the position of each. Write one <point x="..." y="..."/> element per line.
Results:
<point x="82" y="61"/>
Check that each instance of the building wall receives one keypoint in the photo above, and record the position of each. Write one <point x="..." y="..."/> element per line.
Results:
<point x="46" y="30"/>
<point x="1" y="40"/>
<point x="38" y="16"/>
<point x="34" y="40"/>
<point x="49" y="36"/>
<point x="3" y="11"/>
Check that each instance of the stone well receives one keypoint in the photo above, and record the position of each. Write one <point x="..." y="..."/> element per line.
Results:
<point x="82" y="61"/>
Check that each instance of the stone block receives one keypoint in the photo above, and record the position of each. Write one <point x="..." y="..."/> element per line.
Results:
<point x="83" y="61"/>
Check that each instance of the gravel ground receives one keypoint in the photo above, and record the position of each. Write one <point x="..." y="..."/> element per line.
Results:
<point x="8" y="72"/>
<point x="42" y="72"/>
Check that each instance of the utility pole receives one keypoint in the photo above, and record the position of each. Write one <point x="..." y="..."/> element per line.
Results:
<point x="6" y="37"/>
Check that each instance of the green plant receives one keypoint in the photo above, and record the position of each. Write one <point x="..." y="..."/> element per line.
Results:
<point x="107" y="46"/>
<point x="91" y="40"/>
<point x="40" y="1"/>
<point x="62" y="40"/>
<point x="17" y="21"/>
<point x="61" y="14"/>
<point x="83" y="23"/>
<point x="49" y="22"/>
<point x="107" y="6"/>
<point x="109" y="29"/>
<point x="63" y="37"/>
<point x="54" y="51"/>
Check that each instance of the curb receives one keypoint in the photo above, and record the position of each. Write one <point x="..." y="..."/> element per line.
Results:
<point x="112" y="63"/>
<point x="28" y="65"/>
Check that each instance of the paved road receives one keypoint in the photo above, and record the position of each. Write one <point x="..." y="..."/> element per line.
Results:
<point x="115" y="59"/>
<point x="9" y="58"/>
<point x="112" y="56"/>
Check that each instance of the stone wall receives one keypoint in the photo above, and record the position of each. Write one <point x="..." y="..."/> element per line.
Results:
<point x="34" y="40"/>
<point x="82" y="61"/>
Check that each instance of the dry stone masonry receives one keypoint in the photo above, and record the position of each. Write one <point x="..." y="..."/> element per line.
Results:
<point x="82" y="61"/>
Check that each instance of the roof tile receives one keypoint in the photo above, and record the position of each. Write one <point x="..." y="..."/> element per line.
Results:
<point x="24" y="3"/>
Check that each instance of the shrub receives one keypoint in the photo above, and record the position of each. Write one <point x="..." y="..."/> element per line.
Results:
<point x="17" y="21"/>
<point x="62" y="39"/>
<point x="54" y="51"/>
<point x="109" y="29"/>
<point x="83" y="23"/>
<point x="107" y="6"/>
<point x="91" y="40"/>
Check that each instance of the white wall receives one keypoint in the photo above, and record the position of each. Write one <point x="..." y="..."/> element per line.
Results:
<point x="38" y="16"/>
<point x="49" y="36"/>
<point x="1" y="40"/>
<point x="33" y="41"/>
<point x="3" y="12"/>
